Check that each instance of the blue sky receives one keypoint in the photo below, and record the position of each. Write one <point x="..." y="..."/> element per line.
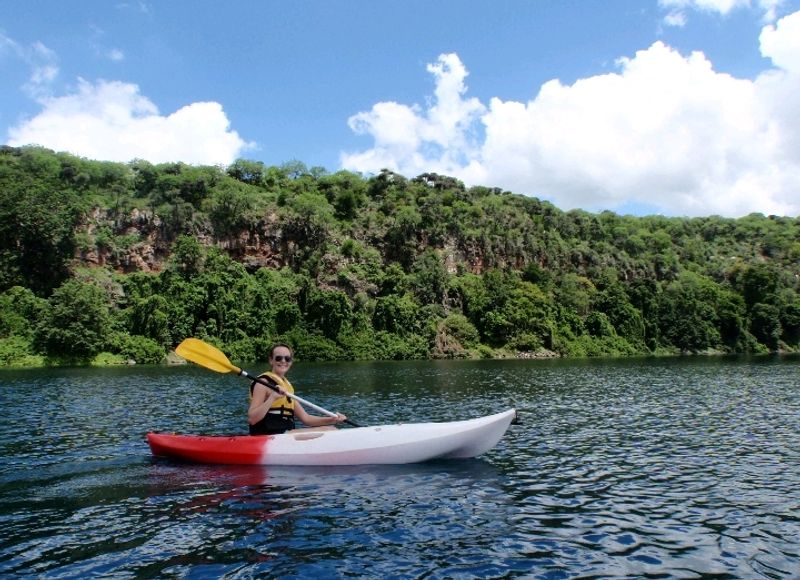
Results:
<point x="678" y="107"/>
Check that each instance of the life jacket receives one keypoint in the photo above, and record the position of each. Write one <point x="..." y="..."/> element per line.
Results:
<point x="283" y="406"/>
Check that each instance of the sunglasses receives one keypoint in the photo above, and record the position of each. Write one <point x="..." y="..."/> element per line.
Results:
<point x="281" y="358"/>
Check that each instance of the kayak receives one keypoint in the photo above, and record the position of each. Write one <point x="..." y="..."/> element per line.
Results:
<point x="384" y="444"/>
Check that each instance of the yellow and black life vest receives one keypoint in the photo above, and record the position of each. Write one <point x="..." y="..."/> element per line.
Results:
<point x="283" y="406"/>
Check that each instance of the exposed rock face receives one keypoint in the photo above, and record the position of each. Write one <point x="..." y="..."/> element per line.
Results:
<point x="135" y="242"/>
<point x="262" y="246"/>
<point x="141" y="257"/>
<point x="140" y="241"/>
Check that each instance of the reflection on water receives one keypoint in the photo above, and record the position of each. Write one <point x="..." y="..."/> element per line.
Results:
<point x="621" y="468"/>
<point x="348" y="513"/>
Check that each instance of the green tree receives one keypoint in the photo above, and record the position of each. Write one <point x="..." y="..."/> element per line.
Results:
<point x="309" y="222"/>
<point x="759" y="283"/>
<point x="687" y="317"/>
<point x="401" y="236"/>
<point x="790" y="322"/>
<point x="599" y="325"/>
<point x="346" y="191"/>
<point x="230" y="207"/>
<point x="20" y="312"/>
<point x="455" y="335"/>
<point x="273" y="306"/>
<point x="78" y="323"/>
<point x="518" y="309"/>
<point x="188" y="256"/>
<point x="765" y="324"/>
<point x="250" y="172"/>
<point x="150" y="317"/>
<point x="430" y="278"/>
<point x="328" y="311"/>
<point x="38" y="218"/>
<point x="626" y="319"/>
<point x="396" y="314"/>
<point x="141" y="349"/>
<point x="731" y="313"/>
<point x="644" y="295"/>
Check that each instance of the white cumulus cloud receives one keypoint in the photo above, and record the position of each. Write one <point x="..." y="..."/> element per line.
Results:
<point x="111" y="120"/>
<point x="409" y="139"/>
<point x="664" y="131"/>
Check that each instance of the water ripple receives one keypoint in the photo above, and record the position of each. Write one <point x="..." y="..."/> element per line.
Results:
<point x="679" y="469"/>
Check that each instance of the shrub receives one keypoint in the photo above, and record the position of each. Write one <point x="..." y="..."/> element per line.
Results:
<point x="141" y="349"/>
<point x="243" y="350"/>
<point x="311" y="347"/>
<point x="17" y="351"/>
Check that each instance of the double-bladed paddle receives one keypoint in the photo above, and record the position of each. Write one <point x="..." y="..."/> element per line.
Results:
<point x="208" y="356"/>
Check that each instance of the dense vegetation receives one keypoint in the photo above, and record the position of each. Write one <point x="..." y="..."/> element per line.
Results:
<point x="125" y="260"/>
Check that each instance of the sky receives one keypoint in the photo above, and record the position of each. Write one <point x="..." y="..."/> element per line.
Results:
<point x="671" y="107"/>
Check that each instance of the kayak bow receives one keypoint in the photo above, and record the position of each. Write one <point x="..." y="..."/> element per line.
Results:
<point x="385" y="444"/>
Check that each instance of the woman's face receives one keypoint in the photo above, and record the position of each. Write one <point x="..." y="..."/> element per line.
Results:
<point x="281" y="360"/>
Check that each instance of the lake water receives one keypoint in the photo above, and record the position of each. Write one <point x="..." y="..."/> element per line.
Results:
<point x="679" y="468"/>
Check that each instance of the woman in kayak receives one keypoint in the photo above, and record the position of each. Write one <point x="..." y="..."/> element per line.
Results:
<point x="271" y="413"/>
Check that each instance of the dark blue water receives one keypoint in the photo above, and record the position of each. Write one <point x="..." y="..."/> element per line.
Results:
<point x="671" y="468"/>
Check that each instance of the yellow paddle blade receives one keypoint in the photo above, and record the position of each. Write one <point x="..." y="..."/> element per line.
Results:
<point x="205" y="355"/>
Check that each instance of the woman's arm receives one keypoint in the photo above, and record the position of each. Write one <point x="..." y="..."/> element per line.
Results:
<point x="260" y="403"/>
<point x="314" y="420"/>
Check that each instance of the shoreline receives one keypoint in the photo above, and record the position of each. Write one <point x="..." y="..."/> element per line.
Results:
<point x="106" y="360"/>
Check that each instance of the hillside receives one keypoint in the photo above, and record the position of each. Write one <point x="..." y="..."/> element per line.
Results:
<point x="129" y="259"/>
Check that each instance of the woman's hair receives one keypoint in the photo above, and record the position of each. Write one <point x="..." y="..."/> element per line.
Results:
<point x="278" y="345"/>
